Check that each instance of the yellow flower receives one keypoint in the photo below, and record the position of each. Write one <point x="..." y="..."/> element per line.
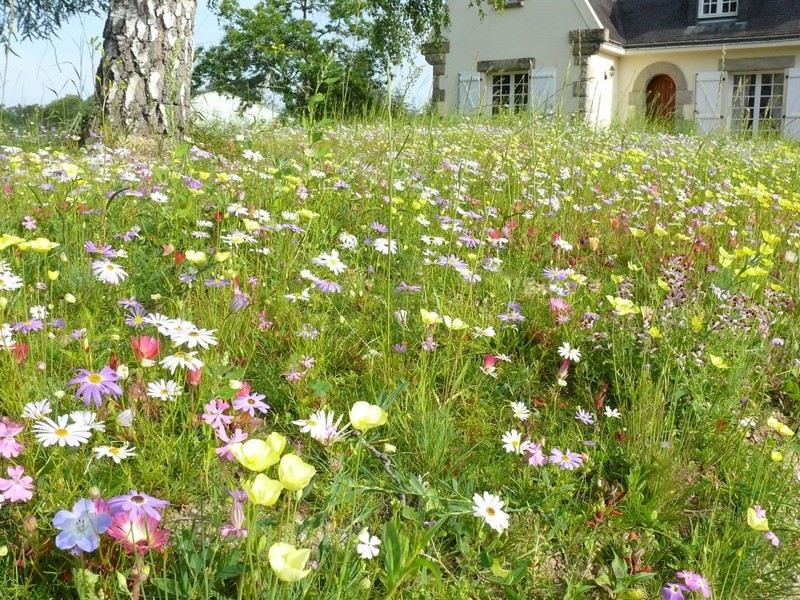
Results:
<point x="307" y="214"/>
<point x="659" y="230"/>
<point x="429" y="317"/>
<point x="718" y="361"/>
<point x="364" y="415"/>
<point x="623" y="306"/>
<point x="7" y="240"/>
<point x="259" y="455"/>
<point x="696" y="322"/>
<point x="662" y="284"/>
<point x="654" y="332"/>
<point x="294" y="473"/>
<point x="637" y="233"/>
<point x="196" y="257"/>
<point x="776" y="456"/>
<point x="785" y="430"/>
<point x="222" y="256"/>
<point x="40" y="244"/>
<point x="757" y="519"/>
<point x="288" y="562"/>
<point x="52" y="275"/>
<point x="263" y="490"/>
<point x="454" y="324"/>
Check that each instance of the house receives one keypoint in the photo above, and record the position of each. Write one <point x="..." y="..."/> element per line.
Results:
<point x="732" y="64"/>
<point x="213" y="107"/>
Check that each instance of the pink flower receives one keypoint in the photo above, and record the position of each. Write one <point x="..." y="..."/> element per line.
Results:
<point x="19" y="488"/>
<point x="193" y="376"/>
<point x="214" y="414"/>
<point x="138" y="533"/>
<point x="537" y="457"/>
<point x="488" y="367"/>
<point x="145" y="347"/>
<point x="559" y="306"/>
<point x="224" y="452"/>
<point x="9" y="446"/>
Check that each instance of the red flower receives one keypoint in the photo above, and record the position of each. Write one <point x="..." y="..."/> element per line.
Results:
<point x="193" y="376"/>
<point x="145" y="347"/>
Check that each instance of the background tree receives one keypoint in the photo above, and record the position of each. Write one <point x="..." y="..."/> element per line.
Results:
<point x="296" y="48"/>
<point x="32" y="19"/>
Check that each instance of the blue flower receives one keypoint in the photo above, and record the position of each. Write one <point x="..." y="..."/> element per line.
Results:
<point x="81" y="528"/>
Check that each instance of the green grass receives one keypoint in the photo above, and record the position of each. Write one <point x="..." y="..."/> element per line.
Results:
<point x="700" y="235"/>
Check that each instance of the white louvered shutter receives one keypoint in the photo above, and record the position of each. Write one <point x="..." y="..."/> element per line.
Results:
<point x="543" y="90"/>
<point x="709" y="106"/>
<point x="791" y="118"/>
<point x="469" y="93"/>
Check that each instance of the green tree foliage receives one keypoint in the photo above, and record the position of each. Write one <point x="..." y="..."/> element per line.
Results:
<point x="340" y="48"/>
<point x="26" y="19"/>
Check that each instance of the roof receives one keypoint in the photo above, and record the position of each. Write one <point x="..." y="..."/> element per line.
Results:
<point x="645" y="23"/>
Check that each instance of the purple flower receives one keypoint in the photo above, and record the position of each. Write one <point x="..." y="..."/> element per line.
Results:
<point x="135" y="317"/>
<point x="772" y="539"/>
<point x="9" y="446"/>
<point x="214" y="413"/>
<point x="565" y="460"/>
<point x="379" y="227"/>
<point x="695" y="582"/>
<point x="216" y="283"/>
<point x="135" y="504"/>
<point x="235" y="528"/>
<point x="327" y="286"/>
<point x="239" y="301"/>
<point x="93" y="385"/>
<point x="28" y="326"/>
<point x="404" y="287"/>
<point x="80" y="528"/>
<point x="429" y="345"/>
<point x="584" y="417"/>
<point x="130" y="303"/>
<point x="29" y="223"/>
<point x="673" y="591"/>
<point x="250" y="403"/>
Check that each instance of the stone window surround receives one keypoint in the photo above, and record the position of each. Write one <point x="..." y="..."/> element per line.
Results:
<point x="765" y="63"/>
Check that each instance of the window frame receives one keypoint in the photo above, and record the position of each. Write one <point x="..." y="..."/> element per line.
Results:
<point x="716" y="9"/>
<point x="512" y="92"/>
<point x="748" y="110"/>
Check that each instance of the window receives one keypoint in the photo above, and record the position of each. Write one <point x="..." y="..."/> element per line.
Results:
<point x="718" y="8"/>
<point x="757" y="102"/>
<point x="510" y="92"/>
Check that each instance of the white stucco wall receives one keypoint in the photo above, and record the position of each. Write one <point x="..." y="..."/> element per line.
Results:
<point x="539" y="29"/>
<point x="601" y="88"/>
<point x="690" y="61"/>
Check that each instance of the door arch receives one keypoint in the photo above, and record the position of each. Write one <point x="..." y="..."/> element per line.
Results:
<point x="660" y="103"/>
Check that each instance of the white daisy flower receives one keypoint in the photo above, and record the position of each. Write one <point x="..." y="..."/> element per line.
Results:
<point x="125" y="418"/>
<point x="567" y="352"/>
<point x="348" y="241"/>
<point x="108" y="272"/>
<point x="37" y="410"/>
<point x="88" y="418"/>
<point x="115" y="453"/>
<point x="331" y="261"/>
<point x="512" y="442"/>
<point x="383" y="246"/>
<point x="194" y="337"/>
<point x="368" y="548"/>
<point x="520" y="411"/>
<point x="9" y="282"/>
<point x="490" y="508"/>
<point x="612" y="413"/>
<point x="63" y="433"/>
<point x="184" y="360"/>
<point x="321" y="427"/>
<point x="163" y="389"/>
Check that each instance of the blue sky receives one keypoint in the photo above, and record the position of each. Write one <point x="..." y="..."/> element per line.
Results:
<point x="40" y="71"/>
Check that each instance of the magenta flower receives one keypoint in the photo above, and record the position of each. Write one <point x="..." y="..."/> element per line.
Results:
<point x="214" y="414"/>
<point x="93" y="385"/>
<point x="772" y="539"/>
<point x="235" y="528"/>
<point x="536" y="457"/>
<point x="9" y="446"/>
<point x="19" y="488"/>
<point x="136" y="504"/>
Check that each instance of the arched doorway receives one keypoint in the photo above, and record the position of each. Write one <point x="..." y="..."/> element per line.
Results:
<point x="661" y="99"/>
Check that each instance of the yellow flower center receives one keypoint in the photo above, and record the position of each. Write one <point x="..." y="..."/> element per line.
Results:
<point x="490" y="511"/>
<point x="61" y="432"/>
<point x="94" y="378"/>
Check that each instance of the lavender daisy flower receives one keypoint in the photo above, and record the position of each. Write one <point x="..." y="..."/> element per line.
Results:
<point x="93" y="385"/>
<point x="136" y="504"/>
<point x="565" y="460"/>
<point x="584" y="417"/>
<point x="327" y="286"/>
<point x="250" y="403"/>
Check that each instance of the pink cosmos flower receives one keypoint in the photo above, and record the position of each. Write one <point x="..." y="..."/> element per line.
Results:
<point x="140" y="533"/>
<point x="193" y="376"/>
<point x="145" y="347"/>
<point x="19" y="488"/>
<point x="9" y="446"/>
<point x="94" y="385"/>
<point x="488" y="367"/>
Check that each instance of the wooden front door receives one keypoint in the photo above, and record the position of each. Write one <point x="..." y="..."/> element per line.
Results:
<point x="661" y="99"/>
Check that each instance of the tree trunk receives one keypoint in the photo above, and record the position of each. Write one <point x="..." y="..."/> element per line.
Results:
<point x="143" y="83"/>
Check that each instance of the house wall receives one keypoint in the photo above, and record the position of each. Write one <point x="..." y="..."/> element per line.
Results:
<point x="635" y="69"/>
<point x="601" y="88"/>
<point x="539" y="29"/>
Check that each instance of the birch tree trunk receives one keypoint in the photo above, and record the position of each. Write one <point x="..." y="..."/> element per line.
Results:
<point x="143" y="83"/>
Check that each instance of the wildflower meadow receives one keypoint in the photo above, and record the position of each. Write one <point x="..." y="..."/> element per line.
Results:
<point x="409" y="359"/>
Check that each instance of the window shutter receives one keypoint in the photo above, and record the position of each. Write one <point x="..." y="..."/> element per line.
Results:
<point x="709" y="91"/>
<point x="469" y="93"/>
<point x="791" y="118"/>
<point x="543" y="90"/>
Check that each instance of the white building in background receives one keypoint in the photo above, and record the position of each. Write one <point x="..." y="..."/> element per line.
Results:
<point x="224" y="108"/>
<point x="725" y="64"/>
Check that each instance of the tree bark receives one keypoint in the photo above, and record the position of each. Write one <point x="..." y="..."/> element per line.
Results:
<point x="143" y="83"/>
